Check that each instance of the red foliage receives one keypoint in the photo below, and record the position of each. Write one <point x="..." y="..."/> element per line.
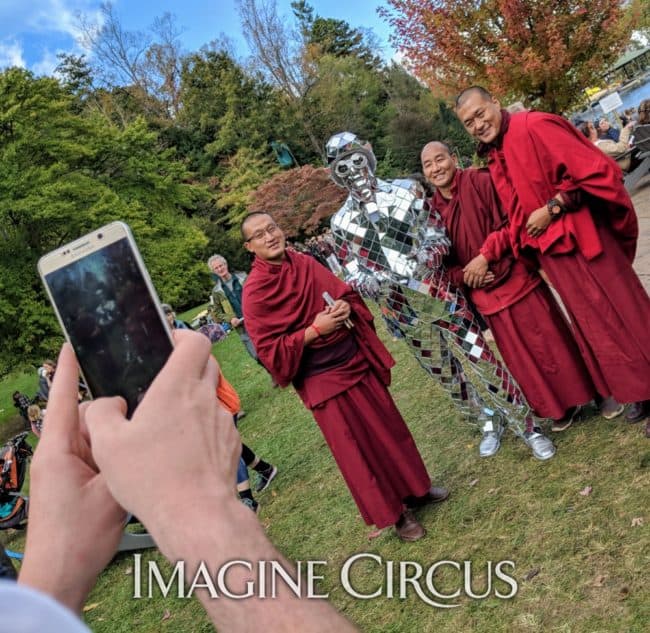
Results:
<point x="299" y="199"/>
<point x="544" y="51"/>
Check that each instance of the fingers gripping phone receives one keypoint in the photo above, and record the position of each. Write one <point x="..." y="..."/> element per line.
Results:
<point x="109" y="311"/>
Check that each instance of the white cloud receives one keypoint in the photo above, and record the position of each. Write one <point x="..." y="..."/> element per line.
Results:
<point x="60" y="16"/>
<point x="11" y="54"/>
<point x="30" y="31"/>
<point x="46" y="65"/>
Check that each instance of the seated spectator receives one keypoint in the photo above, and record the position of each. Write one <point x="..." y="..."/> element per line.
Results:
<point x="609" y="147"/>
<point x="642" y="129"/>
<point x="22" y="403"/>
<point x="45" y="375"/>
<point x="35" y="416"/>
<point x="607" y="132"/>
<point x="174" y="323"/>
<point x="644" y="112"/>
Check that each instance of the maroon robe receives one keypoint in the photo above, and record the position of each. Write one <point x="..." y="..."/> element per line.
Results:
<point x="587" y="253"/>
<point x="342" y="379"/>
<point x="528" y="327"/>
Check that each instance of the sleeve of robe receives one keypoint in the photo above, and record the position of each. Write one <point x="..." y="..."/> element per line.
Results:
<point x="279" y="351"/>
<point x="572" y="162"/>
<point x="496" y="245"/>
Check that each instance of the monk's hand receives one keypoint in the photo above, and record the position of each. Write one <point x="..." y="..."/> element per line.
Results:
<point x="538" y="221"/>
<point x="340" y="310"/>
<point x="325" y="322"/>
<point x="488" y="279"/>
<point x="475" y="271"/>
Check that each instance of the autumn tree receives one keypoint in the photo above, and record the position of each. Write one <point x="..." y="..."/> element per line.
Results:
<point x="542" y="51"/>
<point x="300" y="200"/>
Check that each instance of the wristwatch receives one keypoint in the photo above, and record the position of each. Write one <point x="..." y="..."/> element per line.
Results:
<point x="555" y="208"/>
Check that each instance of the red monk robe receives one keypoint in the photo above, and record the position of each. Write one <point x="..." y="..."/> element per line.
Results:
<point x="528" y="326"/>
<point x="587" y="252"/>
<point x="343" y="382"/>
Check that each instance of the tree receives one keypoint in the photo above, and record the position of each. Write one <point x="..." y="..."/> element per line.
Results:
<point x="300" y="199"/>
<point x="276" y="49"/>
<point x="346" y="95"/>
<point x="328" y="36"/>
<point x="637" y="14"/>
<point x="244" y="172"/>
<point x="147" y="64"/>
<point x="412" y="118"/>
<point x="66" y="173"/>
<point x="286" y="59"/>
<point x="542" y="51"/>
<point x="225" y="108"/>
<point x="75" y="73"/>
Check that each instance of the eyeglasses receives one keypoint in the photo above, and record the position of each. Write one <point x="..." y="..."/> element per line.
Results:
<point x="258" y="235"/>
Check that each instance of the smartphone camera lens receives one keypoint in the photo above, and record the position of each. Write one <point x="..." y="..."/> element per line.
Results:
<point x="99" y="236"/>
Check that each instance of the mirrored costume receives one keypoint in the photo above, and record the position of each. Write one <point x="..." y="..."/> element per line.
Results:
<point x="393" y="249"/>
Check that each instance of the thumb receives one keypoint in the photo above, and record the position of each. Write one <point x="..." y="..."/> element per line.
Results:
<point x="105" y="419"/>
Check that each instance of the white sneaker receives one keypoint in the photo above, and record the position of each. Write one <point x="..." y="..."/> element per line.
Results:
<point x="491" y="440"/>
<point x="542" y="447"/>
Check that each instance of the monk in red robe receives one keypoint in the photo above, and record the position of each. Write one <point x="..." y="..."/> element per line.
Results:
<point x="341" y="371"/>
<point x="545" y="359"/>
<point x="569" y="210"/>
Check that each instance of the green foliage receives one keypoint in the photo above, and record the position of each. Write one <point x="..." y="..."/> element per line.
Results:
<point x="244" y="172"/>
<point x="412" y="118"/>
<point x="225" y="108"/>
<point x="346" y="95"/>
<point x="65" y="174"/>
<point x="328" y="36"/>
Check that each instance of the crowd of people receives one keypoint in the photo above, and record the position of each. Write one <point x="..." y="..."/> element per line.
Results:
<point x="549" y="217"/>
<point x="620" y="144"/>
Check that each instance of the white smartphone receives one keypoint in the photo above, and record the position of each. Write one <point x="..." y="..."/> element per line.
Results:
<point x="109" y="311"/>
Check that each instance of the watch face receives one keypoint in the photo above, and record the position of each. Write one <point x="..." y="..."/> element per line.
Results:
<point x="553" y="207"/>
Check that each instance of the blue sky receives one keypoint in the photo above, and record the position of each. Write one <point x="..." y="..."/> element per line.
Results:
<point x="32" y="32"/>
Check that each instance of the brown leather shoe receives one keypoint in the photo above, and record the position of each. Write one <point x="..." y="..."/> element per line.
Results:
<point x="435" y="494"/>
<point x="408" y="529"/>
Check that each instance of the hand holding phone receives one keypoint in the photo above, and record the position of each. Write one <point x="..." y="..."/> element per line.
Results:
<point x="329" y="300"/>
<point x="109" y="311"/>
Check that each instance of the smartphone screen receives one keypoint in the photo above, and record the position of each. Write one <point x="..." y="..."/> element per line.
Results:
<point x="106" y="307"/>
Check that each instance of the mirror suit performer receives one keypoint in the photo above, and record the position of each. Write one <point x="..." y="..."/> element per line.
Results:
<point x="393" y="249"/>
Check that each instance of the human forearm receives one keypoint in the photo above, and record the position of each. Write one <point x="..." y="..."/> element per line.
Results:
<point x="311" y="334"/>
<point x="236" y="535"/>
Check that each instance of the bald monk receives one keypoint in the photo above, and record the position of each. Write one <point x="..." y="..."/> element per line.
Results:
<point x="568" y="209"/>
<point x="528" y="327"/>
<point x="341" y="374"/>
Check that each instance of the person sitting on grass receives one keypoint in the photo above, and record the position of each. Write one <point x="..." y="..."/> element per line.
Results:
<point x="35" y="417"/>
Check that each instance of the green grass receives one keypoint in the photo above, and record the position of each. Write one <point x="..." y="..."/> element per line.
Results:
<point x="593" y="564"/>
<point x="188" y="315"/>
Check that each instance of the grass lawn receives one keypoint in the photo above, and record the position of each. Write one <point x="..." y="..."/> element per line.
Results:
<point x="581" y="560"/>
